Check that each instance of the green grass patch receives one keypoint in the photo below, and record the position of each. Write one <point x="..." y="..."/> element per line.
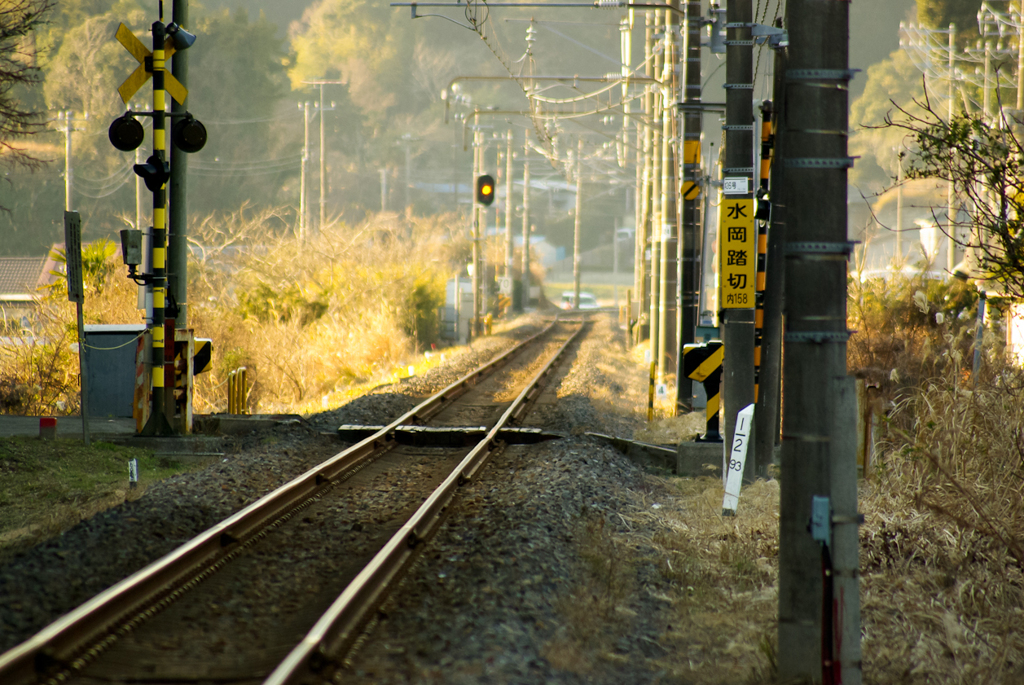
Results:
<point x="48" y="486"/>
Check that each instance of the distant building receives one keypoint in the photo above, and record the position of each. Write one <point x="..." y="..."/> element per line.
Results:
<point x="20" y="280"/>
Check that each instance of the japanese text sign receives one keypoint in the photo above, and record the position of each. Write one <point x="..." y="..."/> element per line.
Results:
<point x="738" y="253"/>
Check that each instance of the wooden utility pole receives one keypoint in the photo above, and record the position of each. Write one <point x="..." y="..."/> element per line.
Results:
<point x="738" y="323"/>
<point x="814" y="622"/>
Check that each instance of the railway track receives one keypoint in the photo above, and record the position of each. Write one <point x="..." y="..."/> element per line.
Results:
<point x="244" y="601"/>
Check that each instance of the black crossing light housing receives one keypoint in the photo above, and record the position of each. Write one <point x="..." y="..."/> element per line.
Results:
<point x="154" y="172"/>
<point x="181" y="38"/>
<point x="485" y="189"/>
<point x="188" y="134"/>
<point x="126" y="133"/>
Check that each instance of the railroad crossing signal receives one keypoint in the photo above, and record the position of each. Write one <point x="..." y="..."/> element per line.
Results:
<point x="144" y="71"/>
<point x="485" y="190"/>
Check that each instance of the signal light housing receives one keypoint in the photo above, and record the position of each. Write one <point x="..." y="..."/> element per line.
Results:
<point x="126" y="133"/>
<point x="154" y="172"/>
<point x="485" y="190"/>
<point x="188" y="134"/>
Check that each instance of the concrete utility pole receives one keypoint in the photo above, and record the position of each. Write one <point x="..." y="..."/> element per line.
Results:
<point x="577" y="228"/>
<point x="738" y="324"/>
<point x="177" y="235"/>
<point x="668" y="278"/>
<point x="508" y="208"/>
<point x="323" y="164"/>
<point x="658" y="109"/>
<point x="478" y="214"/>
<point x="303" y="204"/>
<point x="815" y="644"/>
<point x="691" y="218"/>
<point x="643" y="232"/>
<point x="65" y="117"/>
<point x="526" y="224"/>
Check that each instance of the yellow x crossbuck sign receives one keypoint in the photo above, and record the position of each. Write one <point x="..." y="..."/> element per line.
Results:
<point x="139" y="77"/>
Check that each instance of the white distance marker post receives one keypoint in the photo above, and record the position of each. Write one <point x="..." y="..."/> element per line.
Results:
<point x="737" y="460"/>
<point x="133" y="473"/>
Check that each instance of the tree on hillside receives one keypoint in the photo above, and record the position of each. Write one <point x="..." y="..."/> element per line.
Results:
<point x="939" y="14"/>
<point x="19" y="19"/>
<point x="985" y="163"/>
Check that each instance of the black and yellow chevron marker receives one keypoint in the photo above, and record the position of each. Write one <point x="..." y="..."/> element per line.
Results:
<point x="703" y="363"/>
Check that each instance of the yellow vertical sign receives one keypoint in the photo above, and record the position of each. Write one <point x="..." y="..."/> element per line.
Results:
<point x="738" y="253"/>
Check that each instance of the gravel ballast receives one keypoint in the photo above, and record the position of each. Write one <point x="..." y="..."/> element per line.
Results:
<point x="529" y="579"/>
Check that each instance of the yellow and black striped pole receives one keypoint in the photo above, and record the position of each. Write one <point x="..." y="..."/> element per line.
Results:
<point x="156" y="173"/>
<point x="762" y="242"/>
<point x="703" y="363"/>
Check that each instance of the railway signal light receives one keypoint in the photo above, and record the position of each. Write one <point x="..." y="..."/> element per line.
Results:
<point x="485" y="190"/>
<point x="189" y="134"/>
<point x="126" y="133"/>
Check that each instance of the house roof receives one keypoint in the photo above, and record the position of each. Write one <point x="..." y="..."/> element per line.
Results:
<point x="22" y="275"/>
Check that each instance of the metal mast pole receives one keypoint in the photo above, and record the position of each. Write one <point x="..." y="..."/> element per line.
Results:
<point x="643" y="233"/>
<point x="815" y="447"/>
<point x="158" y="423"/>
<point x="508" y="208"/>
<point x="738" y="324"/>
<point x="177" y="246"/>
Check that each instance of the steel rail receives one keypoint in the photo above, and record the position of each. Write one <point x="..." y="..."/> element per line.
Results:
<point x="98" y="623"/>
<point x="338" y="628"/>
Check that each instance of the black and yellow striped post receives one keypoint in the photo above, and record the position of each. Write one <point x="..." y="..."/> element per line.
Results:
<point x="156" y="173"/>
<point x="762" y="215"/>
<point x="703" y="363"/>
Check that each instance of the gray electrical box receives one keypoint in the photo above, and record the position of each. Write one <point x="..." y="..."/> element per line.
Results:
<point x="110" y="353"/>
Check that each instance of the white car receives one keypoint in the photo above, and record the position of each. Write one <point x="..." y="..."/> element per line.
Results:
<point x="587" y="300"/>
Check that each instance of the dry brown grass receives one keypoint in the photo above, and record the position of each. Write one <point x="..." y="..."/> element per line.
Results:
<point x="943" y="546"/>
<point x="308" y="321"/>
